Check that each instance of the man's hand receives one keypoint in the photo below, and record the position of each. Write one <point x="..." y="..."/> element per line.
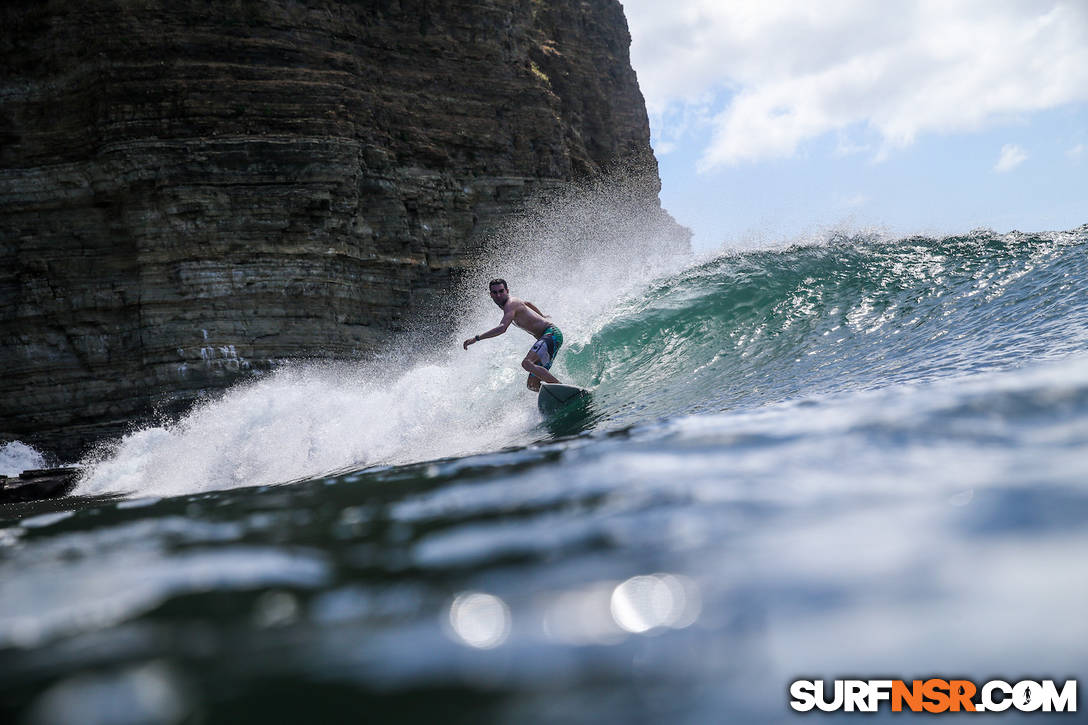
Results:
<point x="469" y="342"/>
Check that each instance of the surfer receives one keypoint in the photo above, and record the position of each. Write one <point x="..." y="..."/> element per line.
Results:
<point x="526" y="316"/>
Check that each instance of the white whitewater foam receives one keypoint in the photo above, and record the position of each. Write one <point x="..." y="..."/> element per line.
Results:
<point x="16" y="457"/>
<point x="308" y="420"/>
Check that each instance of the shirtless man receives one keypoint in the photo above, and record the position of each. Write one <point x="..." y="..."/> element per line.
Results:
<point x="526" y="316"/>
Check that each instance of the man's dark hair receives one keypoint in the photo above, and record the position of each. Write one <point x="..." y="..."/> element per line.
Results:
<point x="499" y="281"/>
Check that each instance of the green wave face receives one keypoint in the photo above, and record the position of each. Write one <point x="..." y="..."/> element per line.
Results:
<point x="752" y="328"/>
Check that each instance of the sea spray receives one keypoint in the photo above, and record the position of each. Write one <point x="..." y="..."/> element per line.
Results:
<point x="575" y="251"/>
<point x="423" y="397"/>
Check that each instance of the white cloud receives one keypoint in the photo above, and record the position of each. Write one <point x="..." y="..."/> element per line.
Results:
<point x="662" y="148"/>
<point x="1011" y="157"/>
<point x="791" y="70"/>
<point x="1076" y="152"/>
<point x="855" y="200"/>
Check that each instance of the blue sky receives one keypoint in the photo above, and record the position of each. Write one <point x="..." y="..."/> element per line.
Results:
<point x="780" y="119"/>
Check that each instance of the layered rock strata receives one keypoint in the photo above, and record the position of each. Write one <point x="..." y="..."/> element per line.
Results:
<point x="190" y="191"/>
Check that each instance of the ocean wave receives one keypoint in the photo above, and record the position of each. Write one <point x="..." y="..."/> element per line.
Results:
<point x="741" y="331"/>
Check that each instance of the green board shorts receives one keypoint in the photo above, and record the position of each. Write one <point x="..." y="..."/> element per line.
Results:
<point x="547" y="346"/>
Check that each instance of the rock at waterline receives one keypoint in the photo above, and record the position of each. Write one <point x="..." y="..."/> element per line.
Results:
<point x="38" y="484"/>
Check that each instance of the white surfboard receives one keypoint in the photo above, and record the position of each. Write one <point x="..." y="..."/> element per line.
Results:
<point x="554" y="396"/>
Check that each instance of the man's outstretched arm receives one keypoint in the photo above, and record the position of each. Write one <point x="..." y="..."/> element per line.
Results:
<point x="507" y="318"/>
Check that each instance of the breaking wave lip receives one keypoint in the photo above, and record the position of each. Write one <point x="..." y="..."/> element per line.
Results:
<point x="746" y="329"/>
<point x="740" y="330"/>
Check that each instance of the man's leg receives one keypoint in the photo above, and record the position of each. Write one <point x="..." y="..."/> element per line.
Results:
<point x="532" y="365"/>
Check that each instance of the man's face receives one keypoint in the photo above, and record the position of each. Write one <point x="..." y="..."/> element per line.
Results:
<point x="499" y="294"/>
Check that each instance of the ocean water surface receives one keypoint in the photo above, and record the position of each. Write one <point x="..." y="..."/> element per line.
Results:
<point x="855" y="457"/>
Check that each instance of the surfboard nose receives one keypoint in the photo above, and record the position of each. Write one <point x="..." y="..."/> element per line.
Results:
<point x="555" y="396"/>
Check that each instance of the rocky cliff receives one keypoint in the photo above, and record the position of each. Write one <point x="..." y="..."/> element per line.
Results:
<point x="190" y="191"/>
